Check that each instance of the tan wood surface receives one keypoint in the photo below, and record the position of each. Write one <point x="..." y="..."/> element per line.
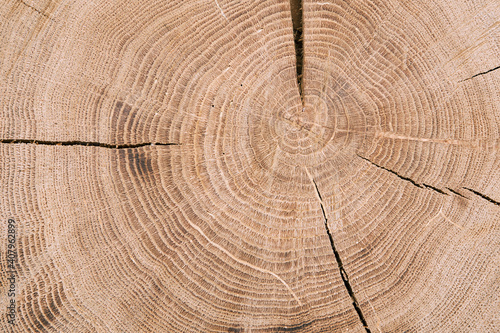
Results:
<point x="162" y="172"/>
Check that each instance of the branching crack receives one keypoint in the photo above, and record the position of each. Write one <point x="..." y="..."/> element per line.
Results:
<point x="482" y="73"/>
<point x="343" y="273"/>
<point x="405" y="178"/>
<point x="297" y="21"/>
<point x="483" y="196"/>
<point x="86" y="144"/>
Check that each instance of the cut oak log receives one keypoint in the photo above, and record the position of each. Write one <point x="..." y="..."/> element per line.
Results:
<point x="250" y="166"/>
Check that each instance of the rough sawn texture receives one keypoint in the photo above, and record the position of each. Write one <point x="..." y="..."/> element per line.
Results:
<point x="163" y="172"/>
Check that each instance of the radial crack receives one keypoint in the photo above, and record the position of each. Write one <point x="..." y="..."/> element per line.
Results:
<point x="86" y="144"/>
<point x="455" y="192"/>
<point x="435" y="189"/>
<point x="343" y="273"/>
<point x="482" y="73"/>
<point x="298" y="21"/>
<point x="405" y="178"/>
<point x="483" y="196"/>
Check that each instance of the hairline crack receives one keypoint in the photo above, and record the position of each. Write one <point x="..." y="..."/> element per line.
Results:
<point x="481" y="73"/>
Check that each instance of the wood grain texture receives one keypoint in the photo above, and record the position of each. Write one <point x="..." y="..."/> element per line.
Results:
<point x="164" y="174"/>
